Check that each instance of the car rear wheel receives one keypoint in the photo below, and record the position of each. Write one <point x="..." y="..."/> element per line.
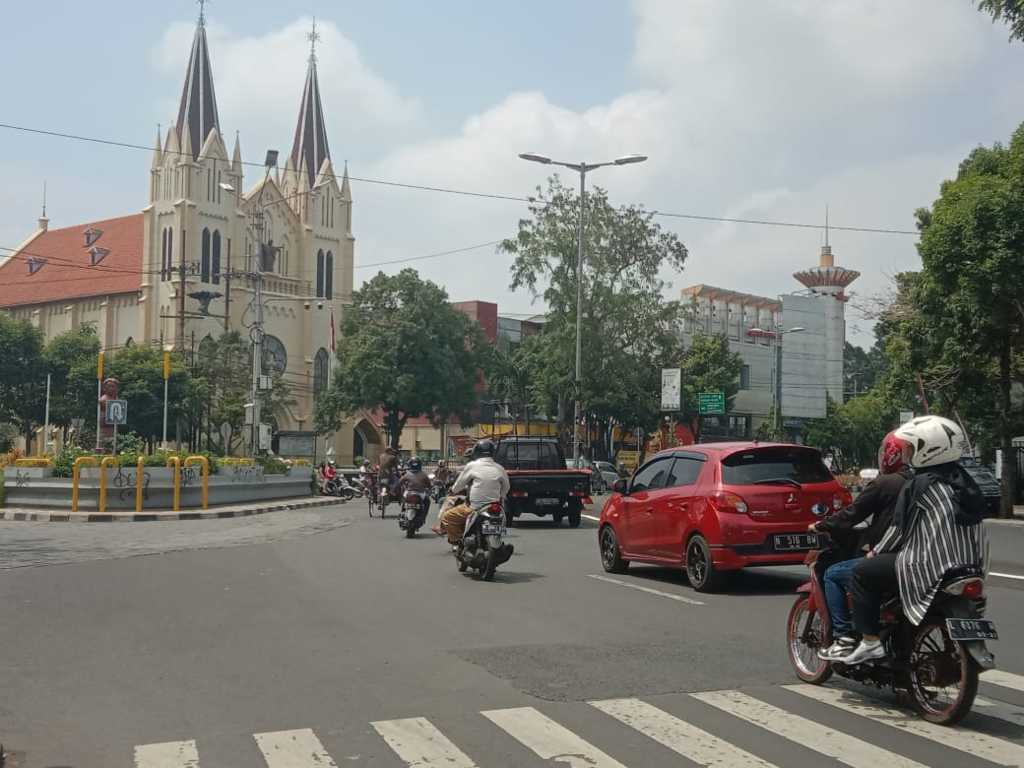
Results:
<point x="700" y="569"/>
<point x="611" y="556"/>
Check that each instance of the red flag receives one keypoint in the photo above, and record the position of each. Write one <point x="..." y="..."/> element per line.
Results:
<point x="332" y="331"/>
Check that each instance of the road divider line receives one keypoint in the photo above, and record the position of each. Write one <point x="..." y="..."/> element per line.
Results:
<point x="548" y="739"/>
<point x="417" y="742"/>
<point x="1003" y="679"/>
<point x="972" y="742"/>
<point x="693" y="743"/>
<point x="807" y="733"/>
<point x="293" y="749"/>
<point x="1006" y="575"/>
<point x="648" y="590"/>
<point x="170" y="754"/>
<point x="592" y="517"/>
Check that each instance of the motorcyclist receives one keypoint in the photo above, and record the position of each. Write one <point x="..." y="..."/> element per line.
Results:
<point x="415" y="480"/>
<point x="486" y="481"/>
<point x="936" y="527"/>
<point x="389" y="470"/>
<point x="442" y="475"/>
<point x="876" y="502"/>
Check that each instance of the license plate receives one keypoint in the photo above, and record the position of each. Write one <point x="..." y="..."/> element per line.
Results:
<point x="971" y="629"/>
<point x="792" y="542"/>
<point x="548" y="502"/>
<point x="490" y="529"/>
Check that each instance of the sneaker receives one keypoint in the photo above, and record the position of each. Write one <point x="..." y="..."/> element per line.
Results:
<point x="841" y="648"/>
<point x="865" y="652"/>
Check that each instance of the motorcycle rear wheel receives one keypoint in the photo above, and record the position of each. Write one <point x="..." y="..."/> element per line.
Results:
<point x="803" y="655"/>
<point x="935" y="658"/>
<point x="490" y="565"/>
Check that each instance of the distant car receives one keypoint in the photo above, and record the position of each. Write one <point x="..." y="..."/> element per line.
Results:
<point x="987" y="482"/>
<point x="718" y="507"/>
<point x="608" y="472"/>
<point x="597" y="481"/>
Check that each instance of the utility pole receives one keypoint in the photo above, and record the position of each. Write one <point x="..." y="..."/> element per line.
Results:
<point x="256" y="334"/>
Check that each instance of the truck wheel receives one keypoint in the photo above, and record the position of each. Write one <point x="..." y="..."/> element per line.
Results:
<point x="575" y="513"/>
<point x="557" y="518"/>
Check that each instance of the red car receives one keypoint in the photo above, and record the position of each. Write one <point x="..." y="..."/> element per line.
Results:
<point x="718" y="507"/>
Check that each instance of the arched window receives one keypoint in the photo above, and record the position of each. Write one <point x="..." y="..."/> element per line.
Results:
<point x="321" y="366"/>
<point x="329" y="276"/>
<point x="319" y="274"/>
<point x="216" y="256"/>
<point x="273" y="357"/>
<point x="163" y="254"/>
<point x="170" y="252"/>
<point x="204" y="264"/>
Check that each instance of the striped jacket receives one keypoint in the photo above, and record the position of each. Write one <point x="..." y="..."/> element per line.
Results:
<point x="930" y="543"/>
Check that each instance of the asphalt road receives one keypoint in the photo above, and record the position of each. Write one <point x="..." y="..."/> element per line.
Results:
<point x="325" y="638"/>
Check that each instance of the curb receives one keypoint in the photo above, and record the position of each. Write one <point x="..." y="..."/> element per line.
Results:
<point x="217" y="513"/>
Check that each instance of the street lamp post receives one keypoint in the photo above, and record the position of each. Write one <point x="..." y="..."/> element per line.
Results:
<point x="775" y="350"/>
<point x="581" y="169"/>
<point x="167" y="377"/>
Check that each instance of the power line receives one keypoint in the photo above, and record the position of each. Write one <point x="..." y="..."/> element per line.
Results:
<point x="472" y="193"/>
<point x="430" y="255"/>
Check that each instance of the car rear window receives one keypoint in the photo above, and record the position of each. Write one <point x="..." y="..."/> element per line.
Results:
<point x="761" y="465"/>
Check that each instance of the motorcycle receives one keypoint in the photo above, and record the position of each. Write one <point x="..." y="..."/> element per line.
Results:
<point x="482" y="547"/>
<point x="334" y="486"/>
<point x="439" y="490"/>
<point x="411" y="517"/>
<point x="936" y="663"/>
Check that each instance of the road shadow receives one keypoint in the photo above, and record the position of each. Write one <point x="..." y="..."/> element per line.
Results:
<point x="543" y="523"/>
<point x="750" y="581"/>
<point x="516" y="577"/>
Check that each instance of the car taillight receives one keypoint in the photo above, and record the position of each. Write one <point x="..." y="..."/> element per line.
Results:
<point x="727" y="501"/>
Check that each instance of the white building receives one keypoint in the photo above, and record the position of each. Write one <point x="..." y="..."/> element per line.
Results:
<point x="811" y="357"/>
<point x="170" y="273"/>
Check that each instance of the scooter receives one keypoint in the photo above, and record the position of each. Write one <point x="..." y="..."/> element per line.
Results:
<point x="411" y="517"/>
<point x="334" y="486"/>
<point x="482" y="547"/>
<point x="937" y="663"/>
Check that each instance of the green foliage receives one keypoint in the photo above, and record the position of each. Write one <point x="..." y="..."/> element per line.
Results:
<point x="708" y="365"/>
<point x="862" y="369"/>
<point x="852" y="431"/>
<point x="405" y="350"/>
<point x="273" y="465"/>
<point x="629" y="330"/>
<point x="8" y="432"/>
<point x="1009" y="11"/>
<point x="64" y="462"/>
<point x="70" y="358"/>
<point x="22" y="374"/>
<point x="140" y="370"/>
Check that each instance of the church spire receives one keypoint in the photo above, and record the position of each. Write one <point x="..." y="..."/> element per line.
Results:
<point x="197" y="115"/>
<point x="310" y="147"/>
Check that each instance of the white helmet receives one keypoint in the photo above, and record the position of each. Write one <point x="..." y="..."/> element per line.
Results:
<point x="935" y="440"/>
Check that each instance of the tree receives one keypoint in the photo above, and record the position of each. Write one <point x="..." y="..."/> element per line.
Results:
<point x="509" y="375"/>
<point x="630" y="331"/>
<point x="862" y="368"/>
<point x="71" y="358"/>
<point x="708" y="365"/>
<point x="139" y="369"/>
<point x="852" y="431"/>
<point x="404" y="349"/>
<point x="22" y="375"/>
<point x="1010" y="11"/>
<point x="968" y="292"/>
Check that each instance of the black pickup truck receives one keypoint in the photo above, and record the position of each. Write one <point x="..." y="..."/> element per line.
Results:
<point x="540" y="482"/>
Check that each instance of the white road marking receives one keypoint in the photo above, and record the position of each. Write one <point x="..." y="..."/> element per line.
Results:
<point x="1006" y="575"/>
<point x="972" y="742"/>
<point x="648" y="590"/>
<point x="1003" y="679"/>
<point x="293" y="749"/>
<point x="419" y="743"/>
<point x="691" y="742"/>
<point x="591" y="517"/>
<point x="548" y="739"/>
<point x="807" y="733"/>
<point x="1000" y="710"/>
<point x="170" y="754"/>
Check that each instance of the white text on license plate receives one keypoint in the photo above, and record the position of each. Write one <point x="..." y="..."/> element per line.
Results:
<point x="549" y="502"/>
<point x="493" y="528"/>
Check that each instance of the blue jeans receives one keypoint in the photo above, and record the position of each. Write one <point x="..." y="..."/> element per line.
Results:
<point x="838" y="578"/>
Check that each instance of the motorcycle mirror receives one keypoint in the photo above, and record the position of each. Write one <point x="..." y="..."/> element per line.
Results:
<point x="621" y="486"/>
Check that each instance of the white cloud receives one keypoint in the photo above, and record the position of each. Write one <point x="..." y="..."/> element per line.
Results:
<point x="259" y="81"/>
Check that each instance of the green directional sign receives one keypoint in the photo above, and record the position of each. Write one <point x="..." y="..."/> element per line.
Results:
<point x="711" y="402"/>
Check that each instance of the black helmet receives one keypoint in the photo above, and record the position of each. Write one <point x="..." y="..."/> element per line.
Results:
<point x="415" y="465"/>
<point x="485" y="447"/>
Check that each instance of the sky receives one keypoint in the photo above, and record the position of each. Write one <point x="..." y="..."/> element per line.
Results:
<point x="768" y="110"/>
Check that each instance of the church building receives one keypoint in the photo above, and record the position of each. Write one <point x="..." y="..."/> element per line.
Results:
<point x="181" y="271"/>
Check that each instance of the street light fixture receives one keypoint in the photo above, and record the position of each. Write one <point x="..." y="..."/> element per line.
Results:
<point x="581" y="169"/>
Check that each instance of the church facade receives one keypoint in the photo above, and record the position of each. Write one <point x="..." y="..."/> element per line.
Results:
<point x="182" y="270"/>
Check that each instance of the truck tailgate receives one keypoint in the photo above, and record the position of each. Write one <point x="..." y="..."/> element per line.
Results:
<point x="549" y="482"/>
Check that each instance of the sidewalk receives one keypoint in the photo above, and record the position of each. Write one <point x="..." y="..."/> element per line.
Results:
<point x="214" y="513"/>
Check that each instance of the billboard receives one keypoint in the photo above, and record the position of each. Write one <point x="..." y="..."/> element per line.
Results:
<point x="671" y="398"/>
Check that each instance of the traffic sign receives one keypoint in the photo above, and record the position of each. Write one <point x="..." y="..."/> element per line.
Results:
<point x="711" y="403"/>
<point x="117" y="412"/>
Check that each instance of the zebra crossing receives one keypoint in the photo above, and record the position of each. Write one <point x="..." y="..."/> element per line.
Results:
<point x="546" y="738"/>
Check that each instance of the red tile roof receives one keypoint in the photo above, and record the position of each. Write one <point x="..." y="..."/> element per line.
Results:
<point x="67" y="271"/>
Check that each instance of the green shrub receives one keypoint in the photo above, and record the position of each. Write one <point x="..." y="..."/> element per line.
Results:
<point x="273" y="465"/>
<point x="65" y="461"/>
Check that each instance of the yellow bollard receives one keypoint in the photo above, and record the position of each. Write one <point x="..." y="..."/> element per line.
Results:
<point x="205" y="464"/>
<point x="175" y="462"/>
<point x="75" y="469"/>
<point x="108" y="461"/>
<point x="140" y="479"/>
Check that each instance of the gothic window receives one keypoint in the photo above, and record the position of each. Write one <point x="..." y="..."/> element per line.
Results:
<point x="218" y="186"/>
<point x="216" y="257"/>
<point x="329" y="276"/>
<point x="170" y="252"/>
<point x="319" y="274"/>
<point x="321" y="365"/>
<point x="274" y="358"/>
<point x="163" y="255"/>
<point x="209" y="185"/>
<point x="204" y="264"/>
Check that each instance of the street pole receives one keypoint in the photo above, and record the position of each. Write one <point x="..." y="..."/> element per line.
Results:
<point x="46" y="419"/>
<point x="579" y="316"/>
<point x="778" y="385"/>
<point x="99" y="394"/>
<point x="256" y="334"/>
<point x="167" y="376"/>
